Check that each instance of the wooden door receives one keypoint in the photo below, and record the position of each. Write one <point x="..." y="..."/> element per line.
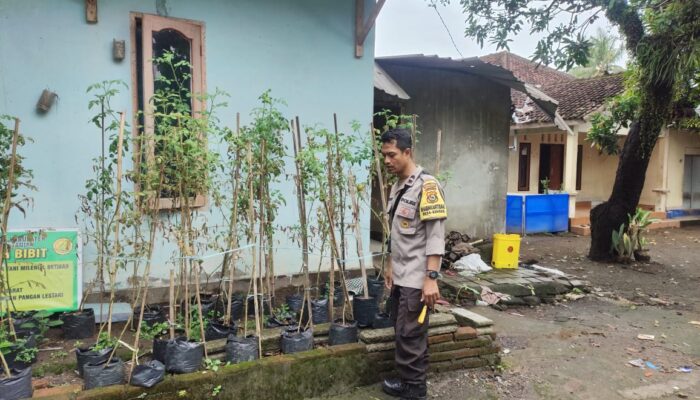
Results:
<point x="556" y="166"/>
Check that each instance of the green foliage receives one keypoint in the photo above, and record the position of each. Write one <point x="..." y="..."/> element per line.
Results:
<point x="216" y="390"/>
<point x="22" y="175"/>
<point x="620" y="111"/>
<point x="631" y="237"/>
<point x="604" y="52"/>
<point x="150" y="332"/>
<point x="212" y="365"/>
<point x="104" y="341"/>
<point x="545" y="185"/>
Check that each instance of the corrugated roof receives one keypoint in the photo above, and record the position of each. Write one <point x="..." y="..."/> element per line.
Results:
<point x="475" y="66"/>
<point x="386" y="84"/>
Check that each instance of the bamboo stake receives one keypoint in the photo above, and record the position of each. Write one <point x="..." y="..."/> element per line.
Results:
<point x="263" y="231"/>
<point x="251" y="223"/>
<point x="301" y="201"/>
<point x="115" y="251"/>
<point x="341" y="194"/>
<point x="437" y="152"/>
<point x="233" y="226"/>
<point x="171" y="300"/>
<point x="331" y="227"/>
<point x="413" y="135"/>
<point x="358" y="235"/>
<point x="198" y="266"/>
<point x="382" y="192"/>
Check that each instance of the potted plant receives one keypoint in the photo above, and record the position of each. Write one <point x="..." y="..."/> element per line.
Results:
<point x="97" y="353"/>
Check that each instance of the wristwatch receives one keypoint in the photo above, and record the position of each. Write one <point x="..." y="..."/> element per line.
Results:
<point x="433" y="274"/>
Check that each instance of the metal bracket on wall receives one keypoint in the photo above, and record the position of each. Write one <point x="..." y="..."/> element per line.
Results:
<point x="363" y="27"/>
<point x="91" y="11"/>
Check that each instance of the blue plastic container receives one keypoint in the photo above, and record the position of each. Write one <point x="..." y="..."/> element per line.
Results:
<point x="537" y="213"/>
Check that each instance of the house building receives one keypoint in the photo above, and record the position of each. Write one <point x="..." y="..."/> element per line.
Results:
<point x="466" y="104"/>
<point x="318" y="56"/>
<point x="558" y="154"/>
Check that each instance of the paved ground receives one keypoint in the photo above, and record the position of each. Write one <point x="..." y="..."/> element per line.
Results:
<point x="581" y="349"/>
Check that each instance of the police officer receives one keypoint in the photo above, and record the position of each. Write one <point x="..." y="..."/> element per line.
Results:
<point x="417" y="216"/>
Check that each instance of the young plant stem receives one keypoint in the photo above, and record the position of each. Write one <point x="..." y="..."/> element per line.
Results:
<point x="301" y="202"/>
<point x="3" y="240"/>
<point x="233" y="228"/>
<point x="251" y="225"/>
<point x="197" y="274"/>
<point x="171" y="305"/>
<point x="382" y="191"/>
<point x="358" y="235"/>
<point x="340" y="194"/>
<point x="264" y="278"/>
<point x="330" y="215"/>
<point x="117" y="210"/>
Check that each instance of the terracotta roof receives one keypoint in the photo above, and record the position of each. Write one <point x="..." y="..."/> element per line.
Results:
<point x="526" y="70"/>
<point x="577" y="97"/>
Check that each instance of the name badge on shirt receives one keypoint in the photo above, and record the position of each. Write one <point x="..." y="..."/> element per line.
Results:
<point x="406" y="208"/>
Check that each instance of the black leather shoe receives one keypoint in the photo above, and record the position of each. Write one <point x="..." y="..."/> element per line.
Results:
<point x="394" y="387"/>
<point x="415" y="392"/>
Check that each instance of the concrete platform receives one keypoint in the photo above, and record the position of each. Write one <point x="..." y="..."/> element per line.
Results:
<point x="526" y="286"/>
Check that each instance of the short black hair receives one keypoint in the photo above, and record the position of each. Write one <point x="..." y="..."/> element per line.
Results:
<point x="400" y="135"/>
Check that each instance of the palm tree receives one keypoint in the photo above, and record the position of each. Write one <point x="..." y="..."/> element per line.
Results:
<point x="604" y="52"/>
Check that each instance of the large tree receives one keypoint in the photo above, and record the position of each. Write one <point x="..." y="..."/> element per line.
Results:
<point x="661" y="37"/>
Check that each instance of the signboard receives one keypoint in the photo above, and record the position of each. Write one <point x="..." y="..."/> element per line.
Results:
<point x="44" y="270"/>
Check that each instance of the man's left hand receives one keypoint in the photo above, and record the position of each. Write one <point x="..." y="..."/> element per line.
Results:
<point x="431" y="293"/>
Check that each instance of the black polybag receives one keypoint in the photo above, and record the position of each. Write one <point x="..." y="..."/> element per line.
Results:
<point x="148" y="375"/>
<point x="14" y="350"/>
<point x="382" y="320"/>
<point x="295" y="302"/>
<point x="103" y="374"/>
<point x="239" y="349"/>
<point x="79" y="325"/>
<point x="340" y="333"/>
<point x="183" y="356"/>
<point x="152" y="314"/>
<point x="319" y="311"/>
<point x="216" y="330"/>
<point x="363" y="309"/>
<point x="85" y="356"/>
<point x="294" y="342"/>
<point x="375" y="288"/>
<point x="17" y="386"/>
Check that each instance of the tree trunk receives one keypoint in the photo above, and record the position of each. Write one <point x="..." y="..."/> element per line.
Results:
<point x="656" y="94"/>
<point x="627" y="189"/>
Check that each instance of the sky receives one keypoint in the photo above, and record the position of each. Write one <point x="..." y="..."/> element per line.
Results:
<point x="411" y="26"/>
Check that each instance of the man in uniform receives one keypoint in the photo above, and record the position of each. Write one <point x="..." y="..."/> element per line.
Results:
<point x="417" y="216"/>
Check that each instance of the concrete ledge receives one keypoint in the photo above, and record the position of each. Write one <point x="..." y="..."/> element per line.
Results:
<point x="468" y="318"/>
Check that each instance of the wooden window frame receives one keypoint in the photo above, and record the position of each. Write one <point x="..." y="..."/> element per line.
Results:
<point x="526" y="185"/>
<point x="192" y="29"/>
<point x="579" y="166"/>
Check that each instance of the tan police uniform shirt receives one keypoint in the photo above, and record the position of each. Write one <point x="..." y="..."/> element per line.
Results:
<point x="418" y="228"/>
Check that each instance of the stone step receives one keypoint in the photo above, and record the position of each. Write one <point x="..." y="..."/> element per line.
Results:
<point x="581" y="230"/>
<point x="469" y="318"/>
<point x="665" y="224"/>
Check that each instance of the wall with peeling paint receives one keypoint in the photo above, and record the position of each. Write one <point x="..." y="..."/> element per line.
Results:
<point x="474" y="115"/>
<point x="302" y="50"/>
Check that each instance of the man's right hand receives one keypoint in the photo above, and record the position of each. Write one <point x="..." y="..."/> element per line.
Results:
<point x="388" y="279"/>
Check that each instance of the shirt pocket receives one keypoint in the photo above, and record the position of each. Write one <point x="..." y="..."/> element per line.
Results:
<point x="406" y="227"/>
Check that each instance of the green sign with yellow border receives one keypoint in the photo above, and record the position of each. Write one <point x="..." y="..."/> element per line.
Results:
<point x="43" y="270"/>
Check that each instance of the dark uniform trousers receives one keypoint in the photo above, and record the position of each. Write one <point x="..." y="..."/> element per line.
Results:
<point x="411" y="337"/>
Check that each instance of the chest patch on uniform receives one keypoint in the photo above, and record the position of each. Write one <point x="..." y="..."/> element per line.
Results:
<point x="432" y="205"/>
<point x="406" y="208"/>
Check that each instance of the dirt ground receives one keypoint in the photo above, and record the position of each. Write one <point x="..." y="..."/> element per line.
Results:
<point x="581" y="349"/>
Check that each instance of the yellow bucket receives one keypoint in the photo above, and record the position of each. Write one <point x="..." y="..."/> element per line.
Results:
<point x="506" y="251"/>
